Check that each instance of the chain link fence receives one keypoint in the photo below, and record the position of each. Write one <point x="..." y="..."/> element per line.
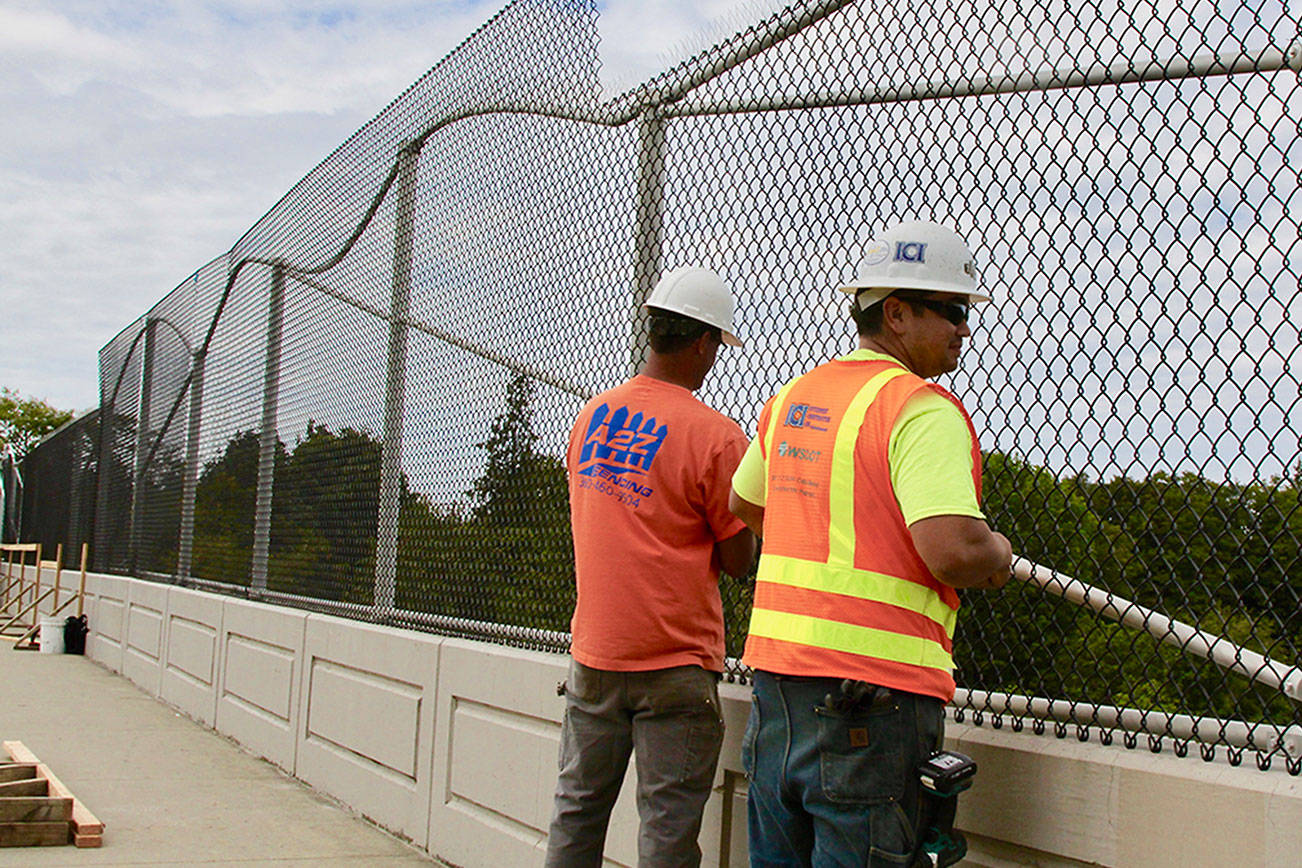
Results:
<point x="52" y="500"/>
<point x="363" y="406"/>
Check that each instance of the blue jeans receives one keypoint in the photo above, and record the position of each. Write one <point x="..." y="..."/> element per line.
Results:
<point x="669" y="720"/>
<point x="830" y="787"/>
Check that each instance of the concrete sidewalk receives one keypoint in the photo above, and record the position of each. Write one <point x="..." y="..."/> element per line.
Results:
<point x="169" y="791"/>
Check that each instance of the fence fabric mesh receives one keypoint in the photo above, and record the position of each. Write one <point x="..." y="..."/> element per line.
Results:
<point x="363" y="406"/>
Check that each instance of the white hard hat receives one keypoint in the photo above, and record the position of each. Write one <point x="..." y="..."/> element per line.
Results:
<point x="697" y="293"/>
<point x="919" y="255"/>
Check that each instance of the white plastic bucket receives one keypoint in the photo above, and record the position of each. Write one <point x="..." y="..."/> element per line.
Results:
<point x="51" y="635"/>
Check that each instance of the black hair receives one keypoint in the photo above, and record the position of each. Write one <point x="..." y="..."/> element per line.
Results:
<point x="671" y="332"/>
<point x="869" y="321"/>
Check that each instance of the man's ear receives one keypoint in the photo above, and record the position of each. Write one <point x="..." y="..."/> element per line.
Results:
<point x="892" y="311"/>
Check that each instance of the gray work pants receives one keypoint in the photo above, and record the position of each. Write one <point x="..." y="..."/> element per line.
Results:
<point x="670" y="720"/>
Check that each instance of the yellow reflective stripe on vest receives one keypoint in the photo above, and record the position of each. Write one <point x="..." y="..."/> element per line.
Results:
<point x="840" y="531"/>
<point x="861" y="584"/>
<point x="849" y="638"/>
<point x="779" y="400"/>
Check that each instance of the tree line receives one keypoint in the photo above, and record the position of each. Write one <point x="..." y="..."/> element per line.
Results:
<point x="1219" y="555"/>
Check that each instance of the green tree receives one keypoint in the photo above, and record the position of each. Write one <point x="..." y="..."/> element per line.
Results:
<point x="507" y="557"/>
<point x="1013" y="640"/>
<point x="513" y="464"/>
<point x="24" y="421"/>
<point x="325" y="508"/>
<point x="1220" y="556"/>
<point x="225" y="500"/>
<point x="522" y="520"/>
<point x="161" y="488"/>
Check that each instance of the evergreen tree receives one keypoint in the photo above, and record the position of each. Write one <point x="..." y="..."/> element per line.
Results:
<point x="512" y="465"/>
<point x="518" y="539"/>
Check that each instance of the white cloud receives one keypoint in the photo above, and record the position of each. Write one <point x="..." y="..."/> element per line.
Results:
<point x="27" y="34"/>
<point x="143" y="138"/>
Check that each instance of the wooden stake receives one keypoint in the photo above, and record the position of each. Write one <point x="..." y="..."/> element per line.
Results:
<point x="81" y="592"/>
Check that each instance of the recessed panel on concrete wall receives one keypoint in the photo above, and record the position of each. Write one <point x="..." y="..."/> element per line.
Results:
<point x="108" y="629"/>
<point x="496" y="763"/>
<point x="367" y="729"/>
<point x="261" y="651"/>
<point x="142" y="652"/>
<point x="194" y="623"/>
<point x="1043" y="800"/>
<point x="495" y="754"/>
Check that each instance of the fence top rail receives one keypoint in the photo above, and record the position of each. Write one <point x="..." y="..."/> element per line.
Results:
<point x="20" y="547"/>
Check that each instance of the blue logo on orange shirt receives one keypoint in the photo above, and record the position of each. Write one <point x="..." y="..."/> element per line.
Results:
<point x="618" y="445"/>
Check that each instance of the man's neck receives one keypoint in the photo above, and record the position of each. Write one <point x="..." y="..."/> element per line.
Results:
<point x="877" y="345"/>
<point x="663" y="368"/>
<point x="867" y="342"/>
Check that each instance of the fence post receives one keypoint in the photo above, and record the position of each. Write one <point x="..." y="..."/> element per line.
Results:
<point x="142" y="445"/>
<point x="267" y="437"/>
<point x="650" y="225"/>
<point x="390" y="504"/>
<point x="11" y="498"/>
<point x="98" y="532"/>
<point x="190" y="482"/>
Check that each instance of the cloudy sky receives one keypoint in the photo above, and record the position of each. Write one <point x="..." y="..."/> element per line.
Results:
<point x="141" y="138"/>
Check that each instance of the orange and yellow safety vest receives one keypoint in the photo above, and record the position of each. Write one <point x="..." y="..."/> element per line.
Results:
<point x="841" y="591"/>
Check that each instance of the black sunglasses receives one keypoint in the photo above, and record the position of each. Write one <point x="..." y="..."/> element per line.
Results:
<point x="954" y="311"/>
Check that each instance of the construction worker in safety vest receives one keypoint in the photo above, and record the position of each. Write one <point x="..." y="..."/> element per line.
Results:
<point x="864" y="480"/>
<point x="650" y="470"/>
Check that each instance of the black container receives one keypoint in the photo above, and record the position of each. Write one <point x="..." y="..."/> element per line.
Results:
<point x="74" y="635"/>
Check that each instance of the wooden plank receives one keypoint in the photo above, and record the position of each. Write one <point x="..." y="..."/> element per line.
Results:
<point x="87" y="840"/>
<point x="35" y="787"/>
<point x="34" y="834"/>
<point x="17" y="772"/>
<point x="30" y="809"/>
<point x="83" y="821"/>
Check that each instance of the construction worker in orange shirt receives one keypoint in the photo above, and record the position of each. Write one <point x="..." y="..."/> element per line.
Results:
<point x="650" y="468"/>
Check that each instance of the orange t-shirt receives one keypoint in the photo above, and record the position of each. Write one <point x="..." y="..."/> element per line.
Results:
<point x="650" y="467"/>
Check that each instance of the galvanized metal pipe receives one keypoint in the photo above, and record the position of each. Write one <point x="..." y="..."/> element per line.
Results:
<point x="395" y="388"/>
<point x="650" y="228"/>
<point x="1224" y="653"/>
<point x="267" y="435"/>
<point x="1173" y="68"/>
<point x="676" y="83"/>
<point x="190" y="483"/>
<point x="433" y="331"/>
<point x="1263" y="737"/>
<point x="140" y="460"/>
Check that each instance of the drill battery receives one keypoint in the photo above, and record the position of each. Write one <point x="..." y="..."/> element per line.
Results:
<point x="947" y="773"/>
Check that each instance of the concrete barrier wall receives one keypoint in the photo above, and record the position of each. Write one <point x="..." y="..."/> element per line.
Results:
<point x="261" y="668"/>
<point x="142" y="646"/>
<point x="191" y="663"/>
<point x="452" y="744"/>
<point x="367" y="711"/>
<point x="105" y="642"/>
